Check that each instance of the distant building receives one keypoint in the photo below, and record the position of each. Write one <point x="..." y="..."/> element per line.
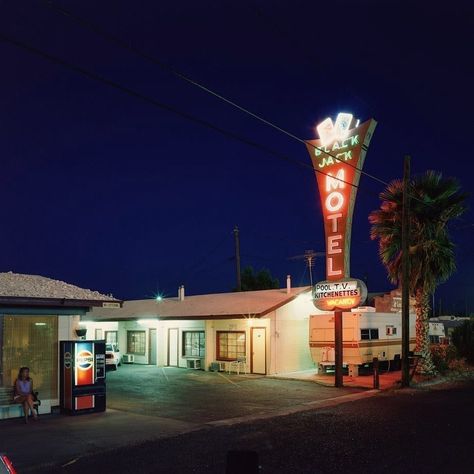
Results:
<point x="446" y="325"/>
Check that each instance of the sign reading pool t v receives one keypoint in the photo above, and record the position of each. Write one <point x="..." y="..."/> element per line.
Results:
<point x="338" y="156"/>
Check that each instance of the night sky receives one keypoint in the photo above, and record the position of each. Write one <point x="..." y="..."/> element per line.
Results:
<point x="108" y="192"/>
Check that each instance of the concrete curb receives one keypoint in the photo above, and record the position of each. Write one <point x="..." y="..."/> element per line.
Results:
<point x="324" y="384"/>
<point x="307" y="406"/>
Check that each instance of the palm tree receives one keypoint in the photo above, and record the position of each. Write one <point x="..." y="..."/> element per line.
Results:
<point x="434" y="201"/>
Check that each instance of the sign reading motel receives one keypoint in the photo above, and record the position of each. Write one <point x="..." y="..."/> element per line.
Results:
<point x="338" y="157"/>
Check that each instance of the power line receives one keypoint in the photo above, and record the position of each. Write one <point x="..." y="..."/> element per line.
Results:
<point x="184" y="77"/>
<point x="138" y="95"/>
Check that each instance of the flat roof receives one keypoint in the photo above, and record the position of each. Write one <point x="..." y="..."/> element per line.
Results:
<point x="236" y="305"/>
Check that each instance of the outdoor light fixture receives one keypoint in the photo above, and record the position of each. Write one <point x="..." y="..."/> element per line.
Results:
<point x="40" y="324"/>
<point x="159" y="298"/>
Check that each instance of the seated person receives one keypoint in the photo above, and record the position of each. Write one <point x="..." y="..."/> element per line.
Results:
<point x="23" y="392"/>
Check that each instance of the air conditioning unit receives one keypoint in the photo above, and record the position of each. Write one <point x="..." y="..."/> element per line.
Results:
<point x="128" y="358"/>
<point x="193" y="363"/>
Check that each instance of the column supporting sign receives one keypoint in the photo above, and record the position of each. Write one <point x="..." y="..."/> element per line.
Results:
<point x="338" y="157"/>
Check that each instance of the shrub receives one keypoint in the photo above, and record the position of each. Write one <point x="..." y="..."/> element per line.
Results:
<point x="463" y="340"/>
<point x="458" y="366"/>
<point x="442" y="356"/>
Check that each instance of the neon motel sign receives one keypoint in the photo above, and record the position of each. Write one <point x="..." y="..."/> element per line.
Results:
<point x="338" y="157"/>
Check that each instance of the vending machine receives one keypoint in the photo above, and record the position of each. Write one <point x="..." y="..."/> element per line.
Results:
<point x="82" y="376"/>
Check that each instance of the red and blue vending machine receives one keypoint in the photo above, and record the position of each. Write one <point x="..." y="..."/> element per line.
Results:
<point x="82" y="377"/>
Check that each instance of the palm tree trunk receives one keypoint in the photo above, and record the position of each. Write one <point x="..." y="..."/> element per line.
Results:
<point x="422" y="308"/>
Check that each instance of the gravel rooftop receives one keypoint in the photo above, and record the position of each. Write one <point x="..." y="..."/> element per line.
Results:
<point x="36" y="286"/>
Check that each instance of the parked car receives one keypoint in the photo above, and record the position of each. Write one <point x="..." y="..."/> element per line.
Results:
<point x="113" y="358"/>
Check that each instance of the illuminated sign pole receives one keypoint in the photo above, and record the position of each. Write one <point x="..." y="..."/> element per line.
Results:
<point x="338" y="156"/>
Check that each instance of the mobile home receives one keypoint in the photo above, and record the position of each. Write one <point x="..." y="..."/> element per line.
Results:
<point x="366" y="334"/>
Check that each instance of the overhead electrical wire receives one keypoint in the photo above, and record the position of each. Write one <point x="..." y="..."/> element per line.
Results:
<point x="138" y="95"/>
<point x="185" y="77"/>
<point x="128" y="47"/>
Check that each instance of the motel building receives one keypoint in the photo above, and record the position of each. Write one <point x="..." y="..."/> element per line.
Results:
<point x="35" y="314"/>
<point x="260" y="332"/>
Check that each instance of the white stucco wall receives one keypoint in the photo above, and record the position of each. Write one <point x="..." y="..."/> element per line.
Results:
<point x="290" y="350"/>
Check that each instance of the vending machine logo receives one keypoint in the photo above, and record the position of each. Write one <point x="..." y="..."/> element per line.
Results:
<point x="85" y="359"/>
<point x="84" y="363"/>
<point x="67" y="360"/>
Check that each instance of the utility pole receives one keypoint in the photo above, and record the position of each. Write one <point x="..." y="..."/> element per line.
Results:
<point x="338" y="348"/>
<point x="405" y="275"/>
<point x="237" y="258"/>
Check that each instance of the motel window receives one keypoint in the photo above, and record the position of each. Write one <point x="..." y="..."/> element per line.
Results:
<point x="230" y="345"/>
<point x="111" y="337"/>
<point x="98" y="334"/>
<point x="369" y="334"/>
<point x="136" y="342"/>
<point x="194" y="343"/>
<point x="391" y="331"/>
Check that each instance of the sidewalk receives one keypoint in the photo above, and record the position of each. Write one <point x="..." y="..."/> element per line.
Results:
<point x="387" y="380"/>
<point x="58" y="439"/>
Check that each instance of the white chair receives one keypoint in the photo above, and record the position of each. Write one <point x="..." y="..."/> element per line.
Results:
<point x="242" y="365"/>
<point x="233" y="366"/>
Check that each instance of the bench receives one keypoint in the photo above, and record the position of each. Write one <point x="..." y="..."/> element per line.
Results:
<point x="9" y="409"/>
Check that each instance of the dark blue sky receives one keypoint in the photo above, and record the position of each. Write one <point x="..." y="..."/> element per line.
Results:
<point x="107" y="192"/>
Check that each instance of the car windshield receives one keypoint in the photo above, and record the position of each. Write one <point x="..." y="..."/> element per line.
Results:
<point x="109" y="347"/>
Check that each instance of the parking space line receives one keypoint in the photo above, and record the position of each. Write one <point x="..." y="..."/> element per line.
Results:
<point x="228" y="379"/>
<point x="164" y="373"/>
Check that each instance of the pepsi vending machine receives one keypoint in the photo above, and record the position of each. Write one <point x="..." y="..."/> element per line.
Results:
<point x="82" y="377"/>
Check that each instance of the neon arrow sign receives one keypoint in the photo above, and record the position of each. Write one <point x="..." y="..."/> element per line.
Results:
<point x="339" y="153"/>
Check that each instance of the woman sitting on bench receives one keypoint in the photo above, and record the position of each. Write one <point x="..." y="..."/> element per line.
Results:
<point x="24" y="392"/>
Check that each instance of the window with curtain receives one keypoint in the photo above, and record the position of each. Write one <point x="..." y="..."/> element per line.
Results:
<point x="230" y="345"/>
<point x="194" y="344"/>
<point x="111" y="337"/>
<point x="136" y="342"/>
<point x="30" y="341"/>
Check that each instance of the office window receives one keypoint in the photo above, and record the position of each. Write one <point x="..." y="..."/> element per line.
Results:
<point x="369" y="334"/>
<point x="194" y="344"/>
<point x="30" y="341"/>
<point x="136" y="342"/>
<point x="230" y="345"/>
<point x="111" y="337"/>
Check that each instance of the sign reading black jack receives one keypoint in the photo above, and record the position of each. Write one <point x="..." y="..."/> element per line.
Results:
<point x="338" y="156"/>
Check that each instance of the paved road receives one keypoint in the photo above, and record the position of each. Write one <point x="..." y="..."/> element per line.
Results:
<point x="420" y="431"/>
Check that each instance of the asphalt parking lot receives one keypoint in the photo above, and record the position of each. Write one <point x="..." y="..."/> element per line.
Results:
<point x="147" y="403"/>
<point x="200" y="397"/>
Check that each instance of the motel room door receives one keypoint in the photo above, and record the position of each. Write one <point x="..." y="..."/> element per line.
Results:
<point x="258" y="350"/>
<point x="173" y="347"/>
<point x="152" y="355"/>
